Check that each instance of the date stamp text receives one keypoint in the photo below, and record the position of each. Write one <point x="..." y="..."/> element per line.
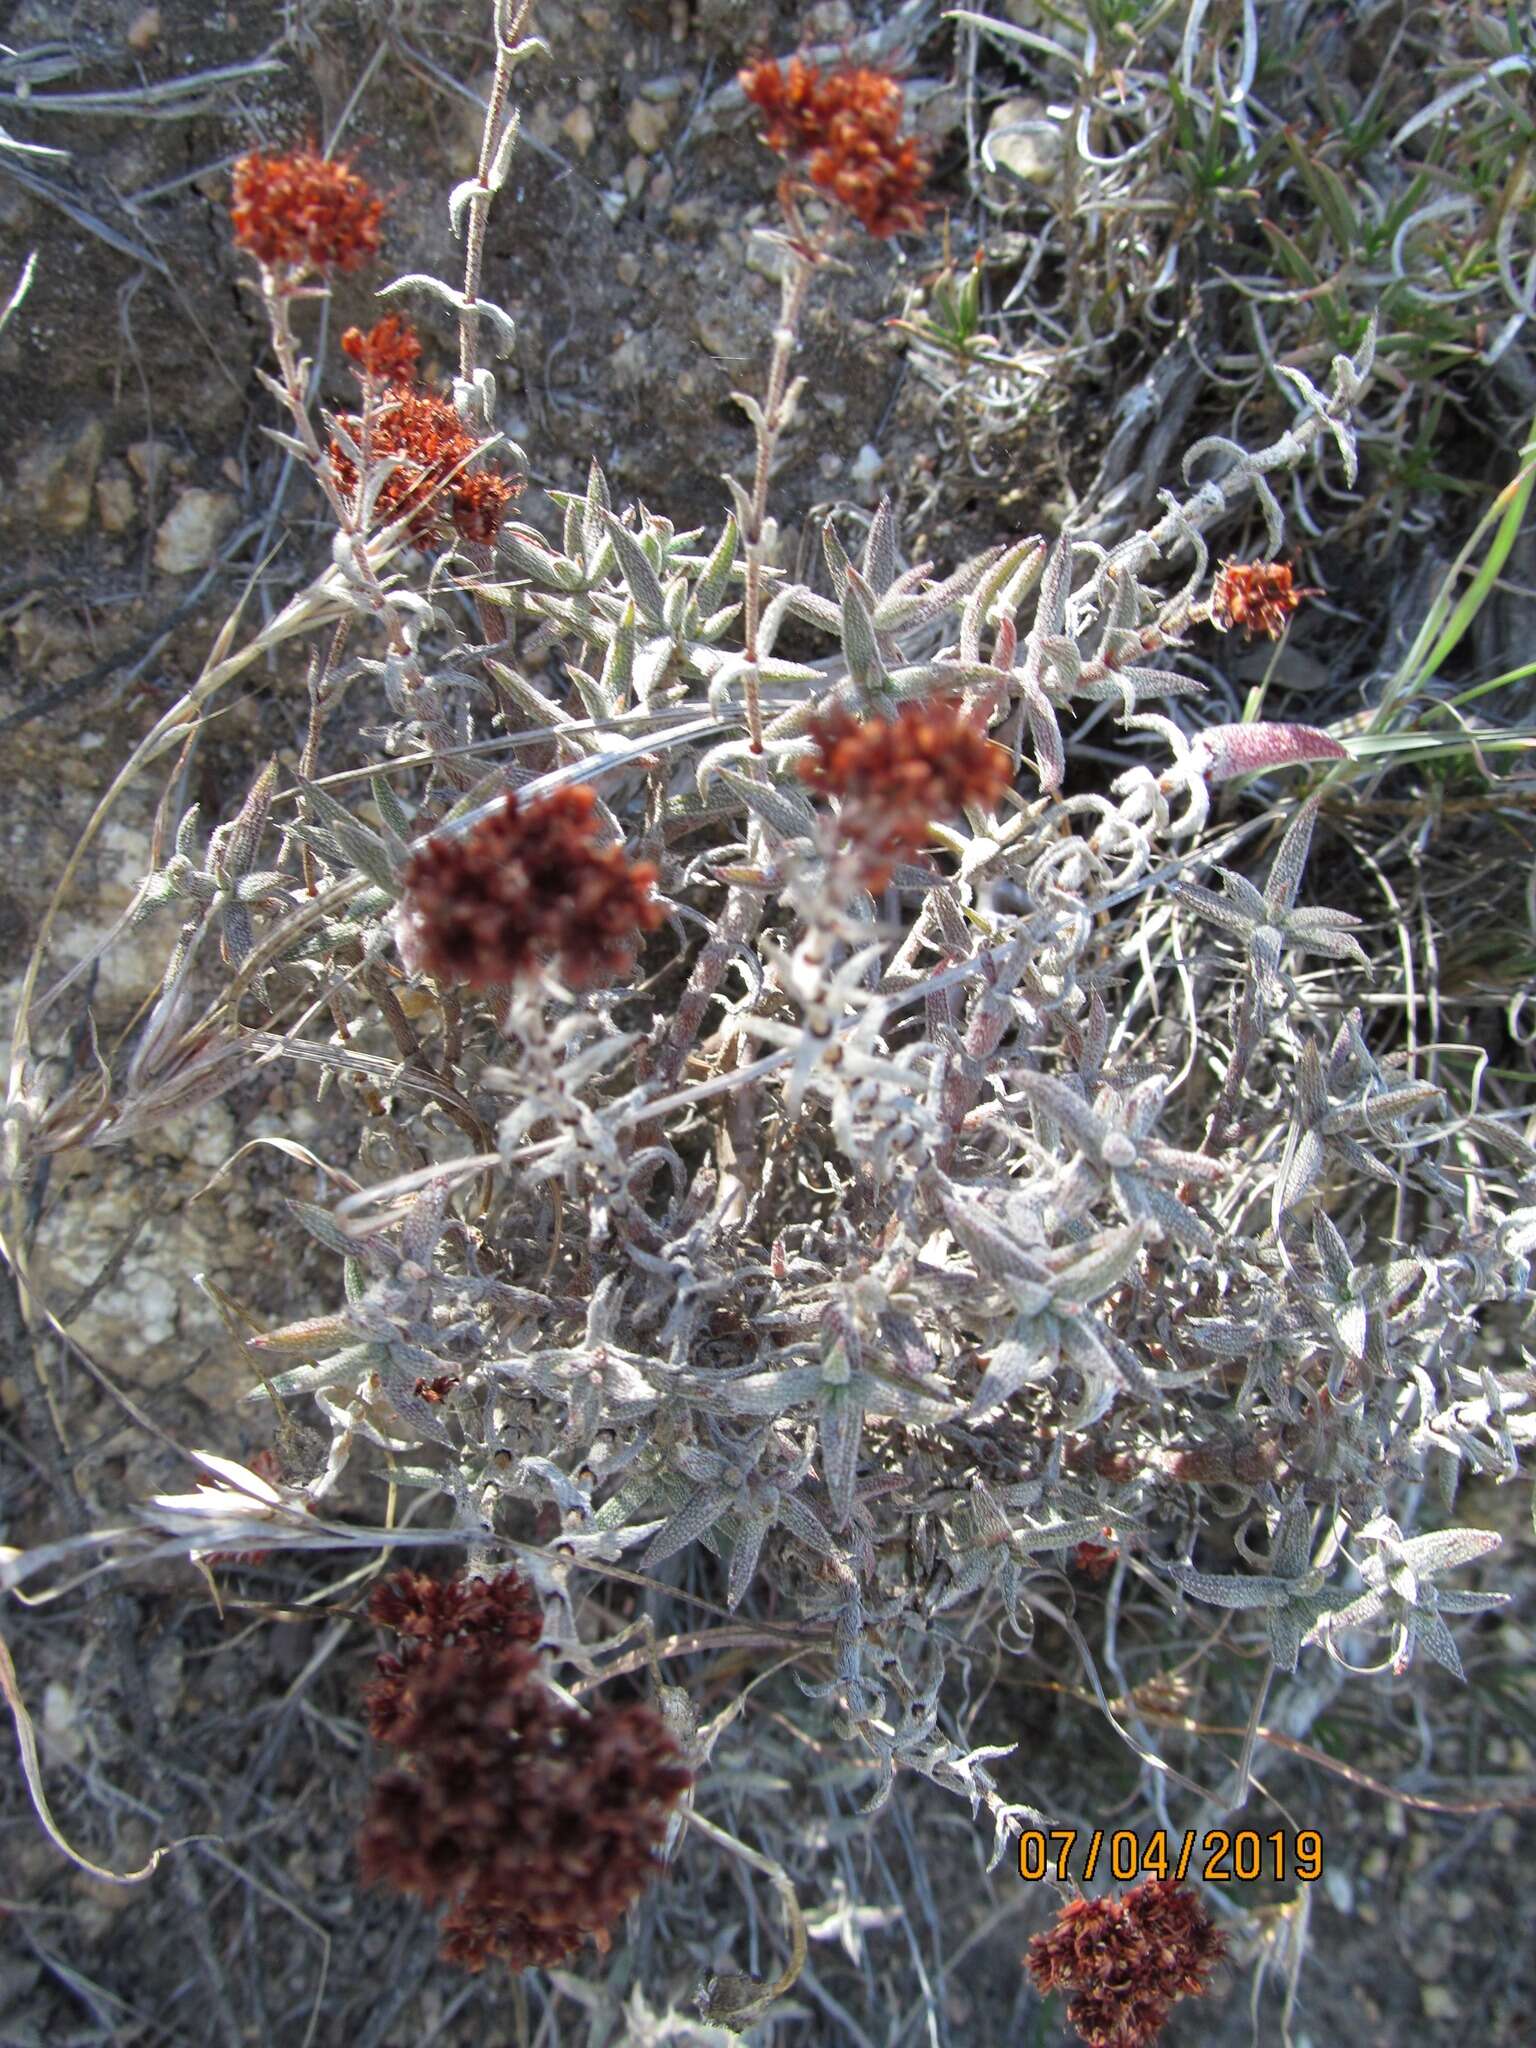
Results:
<point x="1216" y="1856"/>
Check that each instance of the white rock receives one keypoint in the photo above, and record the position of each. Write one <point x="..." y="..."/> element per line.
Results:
<point x="865" y="472"/>
<point x="648" y="122"/>
<point x="61" y="1720"/>
<point x="116" y="506"/>
<point x="147" y="460"/>
<point x="1030" y="153"/>
<point x="54" y="479"/>
<point x="189" y="535"/>
<point x="579" y="129"/>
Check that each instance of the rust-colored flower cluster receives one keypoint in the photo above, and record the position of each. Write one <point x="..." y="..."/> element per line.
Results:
<point x="300" y="212"/>
<point x="527" y="884"/>
<point x="892" y="776"/>
<point x="433" y="1615"/>
<point x="535" y="1823"/>
<point x="1126" y="1962"/>
<point x="428" y="445"/>
<point x="1094" y="1560"/>
<point x="846" y="127"/>
<point x="1257" y="597"/>
<point x="388" y="352"/>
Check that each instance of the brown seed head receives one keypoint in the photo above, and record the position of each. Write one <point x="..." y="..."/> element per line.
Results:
<point x="1258" y="597"/>
<point x="1125" y="1962"/>
<point x="430" y="1615"/>
<point x="429" y="483"/>
<point x="892" y="776"/>
<point x="525" y="885"/>
<point x="301" y="212"/>
<point x="535" y="1823"/>
<point x="844" y="126"/>
<point x="1094" y="1560"/>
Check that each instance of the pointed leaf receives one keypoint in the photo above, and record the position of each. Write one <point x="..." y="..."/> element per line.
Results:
<point x="699" y="1512"/>
<point x="715" y="578"/>
<point x="1284" y="877"/>
<point x="861" y="648"/>
<point x="640" y="578"/>
<point x="839" y="1432"/>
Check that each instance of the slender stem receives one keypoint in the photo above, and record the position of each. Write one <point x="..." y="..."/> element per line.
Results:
<point x="435" y="727"/>
<point x="508" y="32"/>
<point x="738" y="2000"/>
<point x="1246" y="1043"/>
<point x="319" y="676"/>
<point x="794" y="290"/>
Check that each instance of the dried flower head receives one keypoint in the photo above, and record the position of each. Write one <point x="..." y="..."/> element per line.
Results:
<point x="431" y="1615"/>
<point x="301" y="212"/>
<point x="429" y="483"/>
<point x="535" y="1822"/>
<point x="435" y="1391"/>
<point x="388" y="352"/>
<point x="1125" y="1962"/>
<point x="892" y="776"/>
<point x="439" y="1612"/>
<point x="1258" y="597"/>
<point x="527" y="884"/>
<point x="1094" y="1560"/>
<point x="845" y="126"/>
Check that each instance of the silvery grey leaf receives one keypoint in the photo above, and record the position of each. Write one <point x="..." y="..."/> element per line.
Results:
<point x="322" y="1225"/>
<point x="1451" y="1600"/>
<point x="996" y="1250"/>
<point x="836" y="559"/>
<point x="877" y="563"/>
<point x="775" y="803"/>
<point x="839" y="1432"/>
<point x="861" y="646"/>
<point x="345" y="1367"/>
<point x="398" y="829"/>
<point x="900" y="611"/>
<point x="800" y="1522"/>
<point x="1219" y="1591"/>
<point x="1102" y="1263"/>
<point x="1443" y="1550"/>
<point x="1284" y="878"/>
<point x="700" y="1512"/>
<point x="598" y="501"/>
<point x="1432" y="1635"/>
<point x="989" y="600"/>
<point x="1285" y="1634"/>
<point x="1067" y="1108"/>
<point x="746" y="1549"/>
<point x="640" y="577"/>
<point x="540" y="564"/>
<point x="1015" y="1363"/>
<point x="709" y="592"/>
<point x="769" y="1393"/>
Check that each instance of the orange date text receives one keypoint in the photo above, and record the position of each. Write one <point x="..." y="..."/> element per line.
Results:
<point x="1216" y="1856"/>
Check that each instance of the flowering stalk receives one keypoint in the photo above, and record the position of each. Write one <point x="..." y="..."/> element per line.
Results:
<point x="843" y="128"/>
<point x="277" y="295"/>
<point x="496" y="145"/>
<point x="769" y="422"/>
